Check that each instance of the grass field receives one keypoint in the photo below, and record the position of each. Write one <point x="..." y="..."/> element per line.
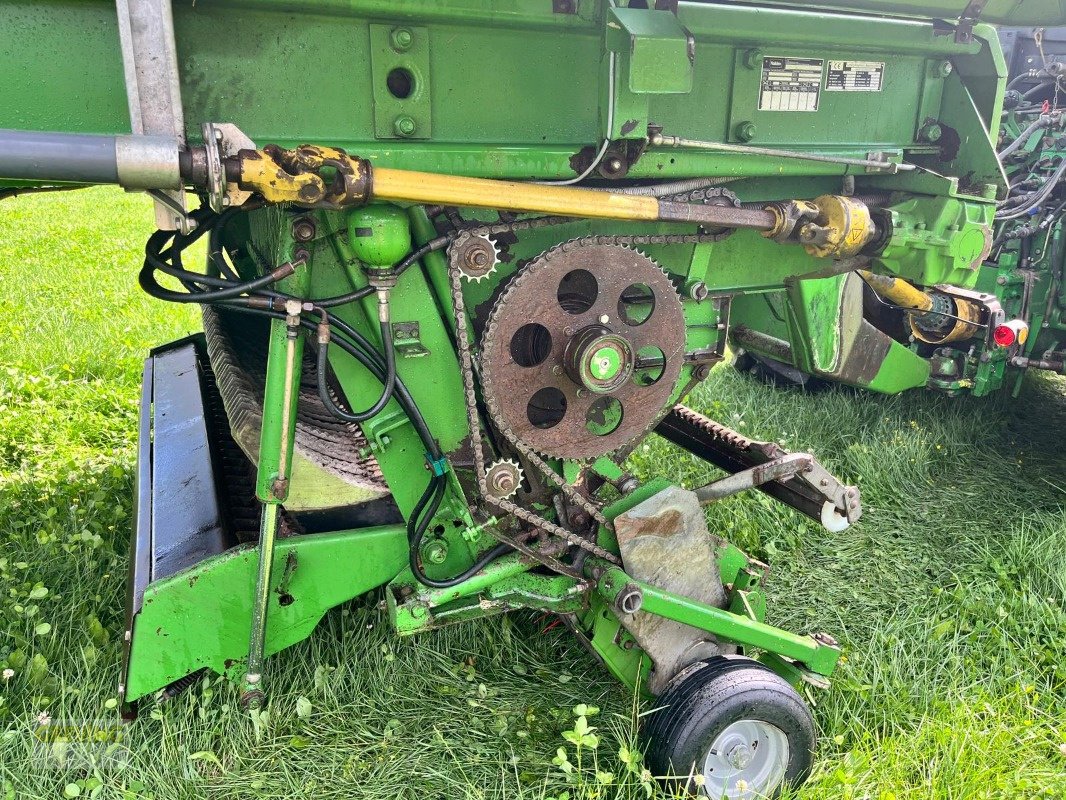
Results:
<point x="948" y="596"/>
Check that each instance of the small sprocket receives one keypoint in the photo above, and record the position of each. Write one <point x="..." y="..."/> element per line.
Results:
<point x="583" y="349"/>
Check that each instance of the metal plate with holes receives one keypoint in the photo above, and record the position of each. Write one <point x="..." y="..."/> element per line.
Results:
<point x="399" y="63"/>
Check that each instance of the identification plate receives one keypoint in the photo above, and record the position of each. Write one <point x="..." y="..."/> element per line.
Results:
<point x="790" y="84"/>
<point x="855" y="76"/>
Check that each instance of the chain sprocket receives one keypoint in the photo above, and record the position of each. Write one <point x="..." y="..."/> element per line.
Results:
<point x="583" y="349"/>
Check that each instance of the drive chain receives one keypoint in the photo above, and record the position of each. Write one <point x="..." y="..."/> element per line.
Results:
<point x="467" y="368"/>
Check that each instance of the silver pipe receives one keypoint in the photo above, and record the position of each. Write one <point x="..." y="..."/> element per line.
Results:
<point x="658" y="140"/>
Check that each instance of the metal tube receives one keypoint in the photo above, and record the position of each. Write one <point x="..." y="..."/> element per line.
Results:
<point x="897" y="291"/>
<point x="773" y="470"/>
<point x="69" y="157"/>
<point x="252" y="694"/>
<point x="453" y="190"/>
<point x="134" y="162"/>
<point x="272" y="482"/>
<point x="658" y="140"/>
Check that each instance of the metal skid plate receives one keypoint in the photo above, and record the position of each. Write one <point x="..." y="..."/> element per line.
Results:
<point x="664" y="541"/>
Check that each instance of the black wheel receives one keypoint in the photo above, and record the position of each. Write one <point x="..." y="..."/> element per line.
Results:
<point x="731" y="728"/>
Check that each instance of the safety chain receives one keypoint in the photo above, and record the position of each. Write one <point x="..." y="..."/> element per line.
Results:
<point x="467" y="366"/>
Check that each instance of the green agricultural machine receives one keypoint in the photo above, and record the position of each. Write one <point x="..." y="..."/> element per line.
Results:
<point x="464" y="255"/>
<point x="974" y="331"/>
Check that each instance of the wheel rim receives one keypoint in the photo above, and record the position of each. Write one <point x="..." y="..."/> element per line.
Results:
<point x="746" y="760"/>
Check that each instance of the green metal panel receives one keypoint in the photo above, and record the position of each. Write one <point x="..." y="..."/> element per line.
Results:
<point x="402" y="81"/>
<point x="200" y="617"/>
<point x="658" y="59"/>
<point x="480" y="57"/>
<point x="1007" y="12"/>
<point x="820" y="658"/>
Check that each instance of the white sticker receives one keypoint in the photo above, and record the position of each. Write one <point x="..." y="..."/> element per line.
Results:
<point x="855" y="76"/>
<point x="790" y="84"/>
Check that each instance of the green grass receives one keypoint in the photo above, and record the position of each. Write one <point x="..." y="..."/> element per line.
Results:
<point x="948" y="596"/>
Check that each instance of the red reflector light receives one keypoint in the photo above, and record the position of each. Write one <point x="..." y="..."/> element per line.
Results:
<point x="1003" y="335"/>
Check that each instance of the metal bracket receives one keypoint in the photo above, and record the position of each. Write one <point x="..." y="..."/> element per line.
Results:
<point x="407" y="340"/>
<point x="223" y="140"/>
<point x="969" y="17"/>
<point x="775" y="469"/>
<point x="153" y="89"/>
<point x="813" y="491"/>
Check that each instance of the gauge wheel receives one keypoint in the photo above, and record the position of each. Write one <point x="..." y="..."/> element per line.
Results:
<point x="730" y="728"/>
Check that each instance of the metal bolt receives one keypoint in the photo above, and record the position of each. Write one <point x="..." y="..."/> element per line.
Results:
<point x="1001" y="280"/>
<point x="401" y="39"/>
<point x="503" y="482"/>
<point x="303" y="230"/>
<point x="404" y="126"/>
<point x="613" y="165"/>
<point x="931" y="132"/>
<point x="699" y="291"/>
<point x="436" y="551"/>
<point x="746" y="131"/>
<point x="753" y="58"/>
<point x="604" y="319"/>
<point x="944" y="68"/>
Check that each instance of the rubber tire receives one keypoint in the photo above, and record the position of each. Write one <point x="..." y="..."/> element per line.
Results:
<point x="703" y="700"/>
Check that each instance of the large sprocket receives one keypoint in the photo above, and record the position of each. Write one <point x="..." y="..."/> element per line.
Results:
<point x="583" y="349"/>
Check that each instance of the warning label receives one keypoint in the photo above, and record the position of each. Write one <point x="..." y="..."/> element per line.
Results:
<point x="855" y="76"/>
<point x="790" y="84"/>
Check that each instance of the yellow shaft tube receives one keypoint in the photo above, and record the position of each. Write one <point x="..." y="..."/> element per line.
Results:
<point x="897" y="291"/>
<point x="451" y="190"/>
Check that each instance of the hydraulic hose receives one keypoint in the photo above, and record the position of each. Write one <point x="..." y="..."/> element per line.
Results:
<point x="389" y="377"/>
<point x="416" y="531"/>
<point x="1040" y="122"/>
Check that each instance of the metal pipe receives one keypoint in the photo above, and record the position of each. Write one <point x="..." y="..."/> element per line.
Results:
<point x="272" y="482"/>
<point x="774" y="470"/>
<point x="133" y="162"/>
<point x="659" y="140"/>
<point x="762" y="342"/>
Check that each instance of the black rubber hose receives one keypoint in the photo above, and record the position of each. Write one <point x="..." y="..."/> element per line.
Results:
<point x="362" y="351"/>
<point x="387" y="389"/>
<point x="153" y="261"/>
<point x="341" y="299"/>
<point x="416" y="531"/>
<point x="430" y="489"/>
<point x="214" y="246"/>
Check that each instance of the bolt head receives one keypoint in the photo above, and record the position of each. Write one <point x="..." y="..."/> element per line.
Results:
<point x="401" y="39"/>
<point x="404" y="126"/>
<point x="746" y="131"/>
<point x="303" y="230"/>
